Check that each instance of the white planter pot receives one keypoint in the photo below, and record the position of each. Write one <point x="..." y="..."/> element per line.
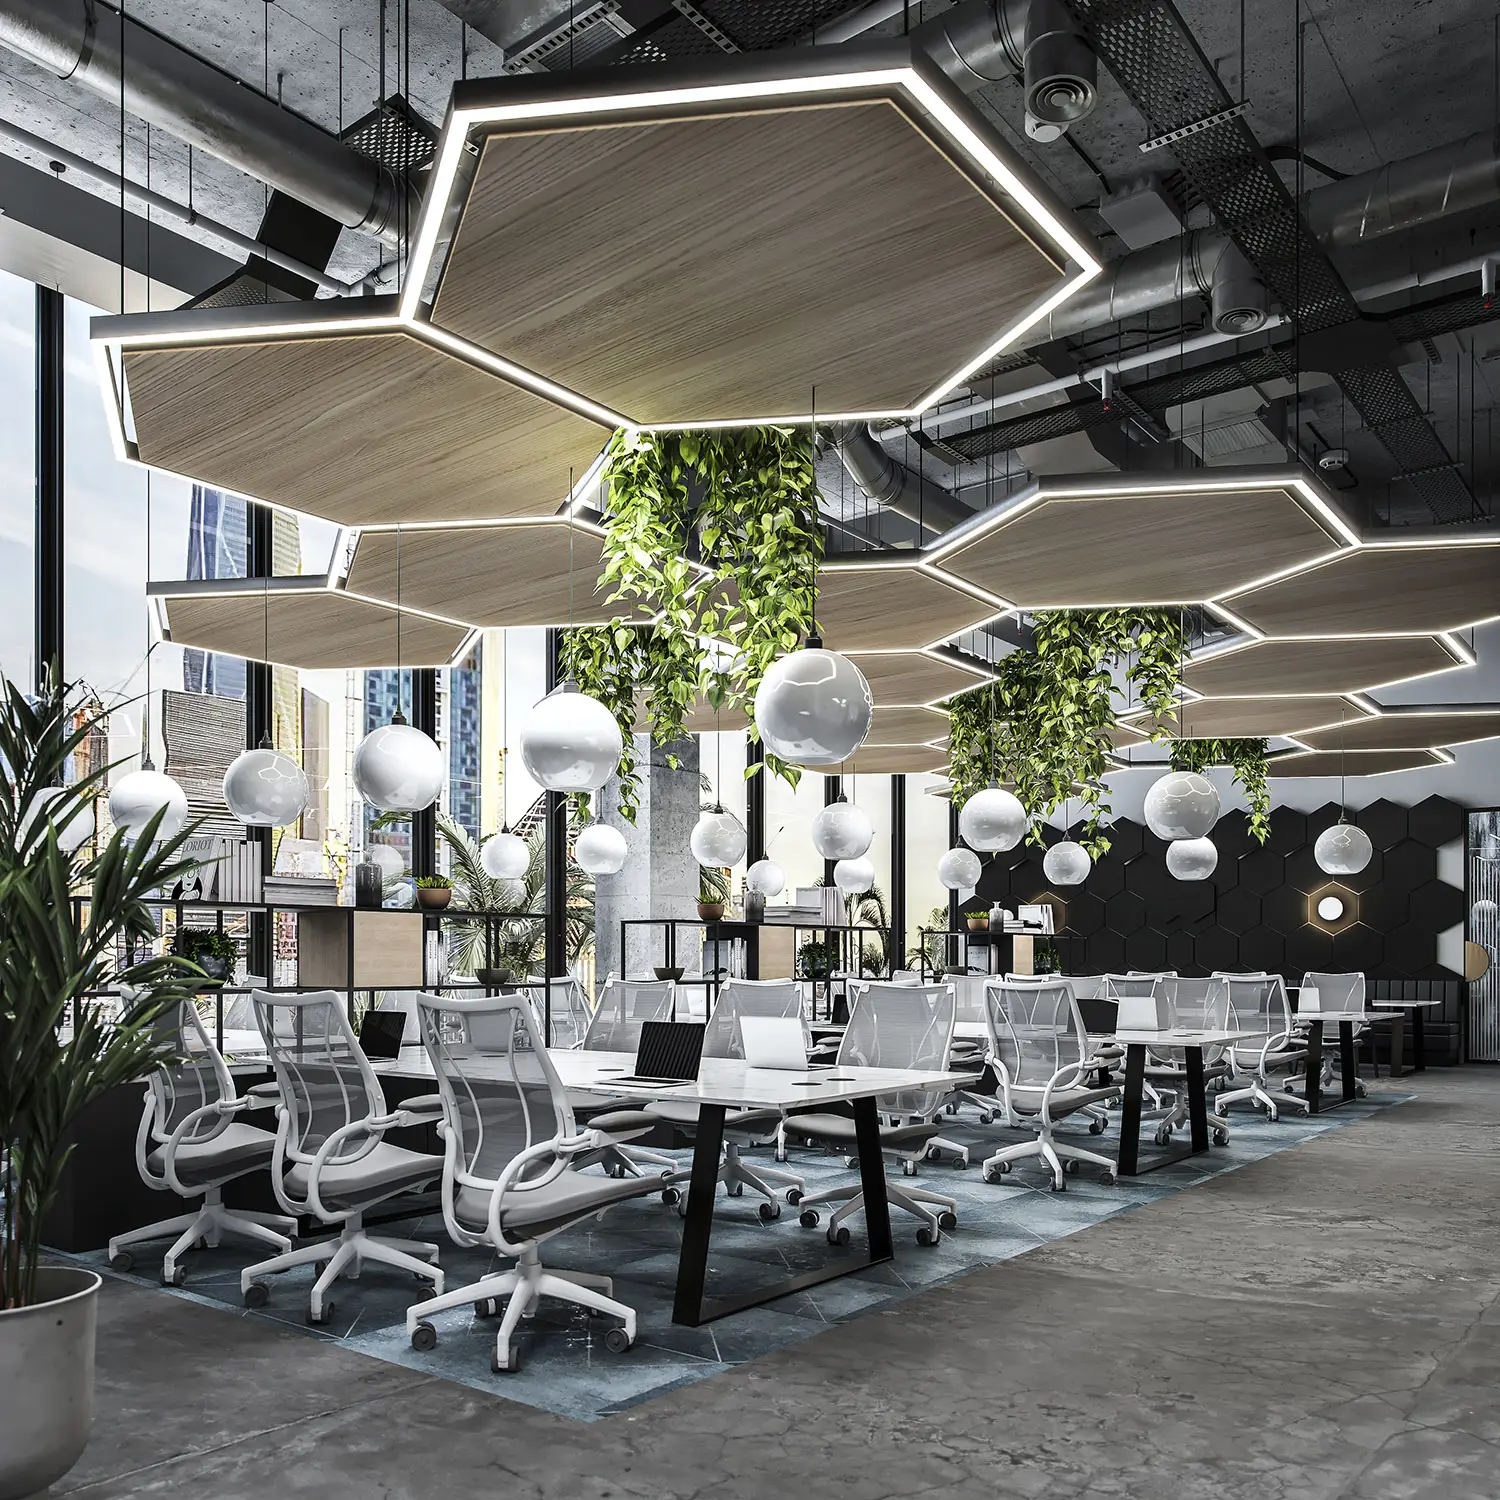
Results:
<point x="47" y="1373"/>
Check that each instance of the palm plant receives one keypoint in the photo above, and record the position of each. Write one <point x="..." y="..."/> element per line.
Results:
<point x="70" y="923"/>
<point x="869" y="909"/>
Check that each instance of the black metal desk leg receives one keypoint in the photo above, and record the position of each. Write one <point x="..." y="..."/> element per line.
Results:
<point x="1398" y="1043"/>
<point x="1347" y="1059"/>
<point x="1197" y="1097"/>
<point x="692" y="1264"/>
<point x="872" y="1178"/>
<point x="1314" y="1065"/>
<point x="1130" y="1112"/>
<point x="1418" y="1042"/>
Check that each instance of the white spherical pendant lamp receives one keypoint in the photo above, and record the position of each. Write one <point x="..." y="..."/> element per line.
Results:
<point x="1343" y="849"/>
<point x="854" y="876"/>
<point x="136" y="798"/>
<point x="505" y="856"/>
<point x="266" y="789"/>
<point x="992" y="819"/>
<point x="813" y="708"/>
<point x="1192" y="859"/>
<point x="397" y="768"/>
<point x="71" y="835"/>
<point x="766" y="878"/>
<point x="571" y="742"/>
<point x="959" y="869"/>
<point x="1067" y="863"/>
<point x="600" y="850"/>
<point x="718" y="839"/>
<point x="1182" y="805"/>
<point x="842" y="831"/>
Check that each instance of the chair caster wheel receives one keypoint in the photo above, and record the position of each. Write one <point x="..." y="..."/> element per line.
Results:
<point x="121" y="1262"/>
<point x="1057" y="1186"/>
<point x="1272" y="1115"/>
<point x="1163" y="1136"/>
<point x="952" y="1108"/>
<point x="996" y="1171"/>
<point x="424" y="1338"/>
<point x="1096" y="1127"/>
<point x="485" y="1308"/>
<point x="734" y="1189"/>
<point x="987" y="1118"/>
<point x="1221" y="1137"/>
<point x="1221" y="1110"/>
<point x="960" y="1163"/>
<point x="670" y="1196"/>
<point x="927" y="1236"/>
<point x="794" y="1196"/>
<point x="1107" y="1177"/>
<point x="838" y="1234"/>
<point x="808" y="1218"/>
<point x="511" y="1365"/>
<point x="178" y="1277"/>
<point x="257" y="1294"/>
<point x="770" y="1212"/>
<point x="908" y="1169"/>
<point x="614" y="1169"/>
<point x="1070" y="1168"/>
<point x="617" y="1341"/>
<point x="319" y="1321"/>
<point x="850" y="1163"/>
<point x="933" y="1153"/>
<point x="947" y="1219"/>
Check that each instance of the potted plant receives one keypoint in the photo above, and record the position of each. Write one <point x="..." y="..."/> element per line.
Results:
<point x="61" y="1048"/>
<point x="815" y="960"/>
<point x="978" y="919"/>
<point x="713" y="892"/>
<point x="210" y="949"/>
<point x="434" y="892"/>
<point x="1046" y="959"/>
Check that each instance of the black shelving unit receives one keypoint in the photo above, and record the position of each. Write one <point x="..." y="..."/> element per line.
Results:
<point x="998" y="946"/>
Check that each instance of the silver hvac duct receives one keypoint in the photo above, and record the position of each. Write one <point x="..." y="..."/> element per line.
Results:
<point x="982" y="41"/>
<point x="81" y="40"/>
<point x="892" y="484"/>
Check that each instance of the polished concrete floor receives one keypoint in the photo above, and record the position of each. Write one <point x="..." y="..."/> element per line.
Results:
<point x="1321" y="1323"/>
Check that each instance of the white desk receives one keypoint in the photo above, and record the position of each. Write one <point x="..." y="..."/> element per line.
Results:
<point x="1315" y="1021"/>
<point x="1136" y="1045"/>
<point x="725" y="1085"/>
<point x="1399" y="1022"/>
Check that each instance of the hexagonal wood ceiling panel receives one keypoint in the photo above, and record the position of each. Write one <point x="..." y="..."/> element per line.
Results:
<point x="721" y="265"/>
<point x="891" y="760"/>
<point x="702" y="718"/>
<point x="1107" y="547"/>
<point x="907" y="726"/>
<point x="1361" y="763"/>
<point x="360" y="429"/>
<point x="1260" y="718"/>
<point x="1332" y="666"/>
<point x="1380" y="588"/>
<point x="1409" y="731"/>
<point x="899" y="678"/>
<point x="871" y="607"/>
<point x="310" y="628"/>
<point x="529" y="573"/>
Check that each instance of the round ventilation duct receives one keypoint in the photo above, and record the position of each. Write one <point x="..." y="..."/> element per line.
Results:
<point x="1239" y="298"/>
<point x="1061" y="72"/>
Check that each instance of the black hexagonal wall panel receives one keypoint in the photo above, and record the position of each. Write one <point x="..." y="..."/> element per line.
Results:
<point x="1239" y="910"/>
<point x="1436" y="821"/>
<point x="1146" y="949"/>
<point x="1436" y="906"/>
<point x="1262" y="871"/>
<point x="1384" y="821"/>
<point x="1410" y="863"/>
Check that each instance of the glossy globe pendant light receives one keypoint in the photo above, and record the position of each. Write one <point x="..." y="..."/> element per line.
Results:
<point x="1182" y="805"/>
<point x="265" y="788"/>
<point x="505" y="856"/>
<point x="842" y="831"/>
<point x="1067" y="863"/>
<point x="959" y="869"/>
<point x="766" y="878"/>
<point x="397" y="768"/>
<point x="136" y="798"/>
<point x="813" y="708"/>
<point x="1192" y="859"/>
<point x="992" y="819"/>
<point x="388" y="860"/>
<point x="76" y="832"/>
<point x="718" y="839"/>
<point x="854" y="876"/>
<point x="1343" y="849"/>
<point x="571" y="742"/>
<point x="600" y="850"/>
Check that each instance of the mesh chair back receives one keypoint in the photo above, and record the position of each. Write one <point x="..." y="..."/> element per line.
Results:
<point x="501" y="1094"/>
<point x="1090" y="986"/>
<point x="901" y="1026"/>
<point x="1337" y="993"/>
<point x="905" y="976"/>
<point x="624" y="1008"/>
<point x="1257" y="1004"/>
<point x="1120" y="986"/>
<point x="1035" y="1029"/>
<point x="195" y="1076"/>
<point x="749" y="997"/>
<point x="1193" y="1005"/>
<point x="325" y="1080"/>
<point x="570" y="1009"/>
<point x="968" y="996"/>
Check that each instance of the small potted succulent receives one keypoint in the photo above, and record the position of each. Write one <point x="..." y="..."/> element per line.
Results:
<point x="213" y="951"/>
<point x="434" y="892"/>
<point x="978" y="919"/>
<point x="713" y="892"/>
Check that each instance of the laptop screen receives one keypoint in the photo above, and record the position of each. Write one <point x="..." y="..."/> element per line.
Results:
<point x="670" y="1049"/>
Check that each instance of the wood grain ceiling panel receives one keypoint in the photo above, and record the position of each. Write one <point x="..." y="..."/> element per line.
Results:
<point x="702" y="718"/>
<point x="360" y="429"/>
<point x="543" y="573"/>
<point x="312" y="629"/>
<point x="906" y="726"/>
<point x="891" y="760"/>
<point x="1261" y="718"/>
<point x="1407" y="731"/>
<point x="1365" y="763"/>
<point x="898" y="678"/>
<point x="723" y="265"/>
<point x="1336" y="666"/>
<point x="1381" y="588"/>
<point x="889" y="609"/>
<point x="1140" y="549"/>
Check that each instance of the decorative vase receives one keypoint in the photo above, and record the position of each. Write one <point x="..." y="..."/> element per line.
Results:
<point x="755" y="906"/>
<point x="434" y="897"/>
<point x="710" y="911"/>
<point x="369" y="884"/>
<point x="47" y="1366"/>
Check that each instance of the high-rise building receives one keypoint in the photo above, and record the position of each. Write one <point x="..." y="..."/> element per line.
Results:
<point x="216" y="548"/>
<point x="465" y="712"/>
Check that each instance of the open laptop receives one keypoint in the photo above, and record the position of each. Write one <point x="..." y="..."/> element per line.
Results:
<point x="776" y="1042"/>
<point x="668" y="1054"/>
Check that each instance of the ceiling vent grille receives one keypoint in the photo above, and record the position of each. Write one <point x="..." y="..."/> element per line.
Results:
<point x="577" y="39"/>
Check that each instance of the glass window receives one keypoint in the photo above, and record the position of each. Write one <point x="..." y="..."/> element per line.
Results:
<point x="926" y="843"/>
<point x="17" y="476"/>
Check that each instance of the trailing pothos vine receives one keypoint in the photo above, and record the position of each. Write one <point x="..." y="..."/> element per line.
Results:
<point x="1044" y="725"/>
<point x="1246" y="758"/>
<point x="742" y="504"/>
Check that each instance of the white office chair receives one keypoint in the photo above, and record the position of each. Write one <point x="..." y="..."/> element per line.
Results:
<point x="1191" y="1005"/>
<point x="890" y="1026"/>
<point x="722" y="1037"/>
<point x="570" y="1009"/>
<point x="332" y="1160"/>
<point x="190" y="1143"/>
<point x="510" y="1169"/>
<point x="1334" y="994"/>
<point x="1042" y="1057"/>
<point x="1258" y="1005"/>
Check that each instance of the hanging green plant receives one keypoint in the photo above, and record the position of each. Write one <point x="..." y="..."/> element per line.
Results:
<point x="1247" y="759"/>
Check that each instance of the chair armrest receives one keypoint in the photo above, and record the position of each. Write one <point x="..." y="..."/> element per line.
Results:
<point x="262" y="1095"/>
<point x="423" y="1105"/>
<point x="185" y="1127"/>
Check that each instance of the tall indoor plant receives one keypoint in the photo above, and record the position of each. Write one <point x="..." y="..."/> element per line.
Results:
<point x="69" y="925"/>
